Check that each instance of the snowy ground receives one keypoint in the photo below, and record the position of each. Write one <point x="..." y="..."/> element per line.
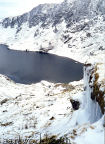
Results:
<point x="26" y="109"/>
<point x="45" y="107"/>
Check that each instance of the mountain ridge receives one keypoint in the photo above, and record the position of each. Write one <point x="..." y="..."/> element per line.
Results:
<point x="68" y="11"/>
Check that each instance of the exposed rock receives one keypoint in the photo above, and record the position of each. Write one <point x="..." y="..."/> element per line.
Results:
<point x="75" y="104"/>
<point x="6" y="124"/>
<point x="88" y="34"/>
<point x="96" y="93"/>
<point x="52" y="118"/>
<point x="101" y="48"/>
<point x="3" y="101"/>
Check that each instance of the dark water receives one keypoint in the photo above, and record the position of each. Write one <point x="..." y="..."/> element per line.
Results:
<point x="32" y="67"/>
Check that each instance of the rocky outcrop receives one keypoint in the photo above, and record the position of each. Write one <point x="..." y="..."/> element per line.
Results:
<point x="94" y="92"/>
<point x="97" y="94"/>
<point x="19" y="20"/>
<point x="75" y="104"/>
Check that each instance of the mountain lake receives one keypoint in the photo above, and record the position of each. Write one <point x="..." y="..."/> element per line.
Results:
<point x="32" y="67"/>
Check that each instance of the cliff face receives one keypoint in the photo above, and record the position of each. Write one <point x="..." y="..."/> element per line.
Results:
<point x="95" y="92"/>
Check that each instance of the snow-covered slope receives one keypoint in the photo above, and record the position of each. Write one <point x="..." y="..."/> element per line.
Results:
<point x="27" y="110"/>
<point x="75" y="29"/>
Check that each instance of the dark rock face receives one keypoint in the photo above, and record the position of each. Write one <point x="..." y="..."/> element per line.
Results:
<point x="55" y="13"/>
<point x="96" y="94"/>
<point x="3" y="101"/>
<point x="75" y="104"/>
<point x="15" y="21"/>
<point x="41" y="14"/>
